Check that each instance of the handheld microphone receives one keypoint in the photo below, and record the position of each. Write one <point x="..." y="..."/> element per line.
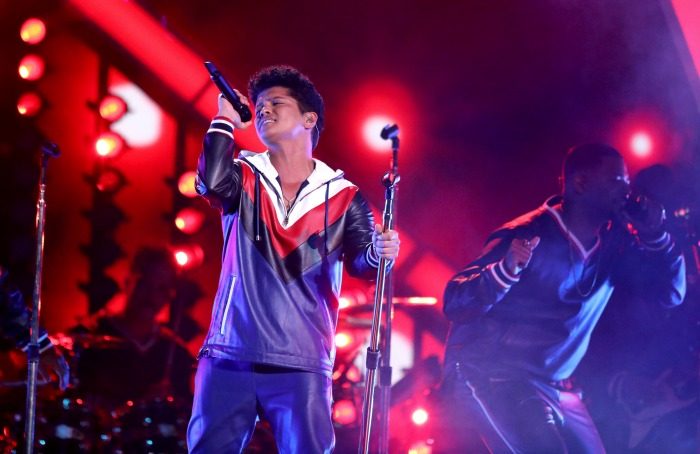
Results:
<point x="390" y="132"/>
<point x="228" y="92"/>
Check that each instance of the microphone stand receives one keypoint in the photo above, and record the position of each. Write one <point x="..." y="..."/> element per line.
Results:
<point x="48" y="150"/>
<point x="390" y="182"/>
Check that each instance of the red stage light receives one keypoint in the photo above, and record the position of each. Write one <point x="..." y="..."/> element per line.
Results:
<point x="421" y="447"/>
<point x="353" y="374"/>
<point x="418" y="300"/>
<point x="110" y="180"/>
<point x="109" y="144"/>
<point x="31" y="67"/>
<point x="343" y="339"/>
<point x="185" y="184"/>
<point x="112" y="108"/>
<point x="344" y="412"/>
<point x="182" y="257"/>
<point x="419" y="416"/>
<point x="29" y="104"/>
<point x="374" y="104"/>
<point x="142" y="123"/>
<point x="641" y="144"/>
<point x="189" y="220"/>
<point x="352" y="297"/>
<point x="643" y="136"/>
<point x="344" y="302"/>
<point x="188" y="256"/>
<point x="32" y="31"/>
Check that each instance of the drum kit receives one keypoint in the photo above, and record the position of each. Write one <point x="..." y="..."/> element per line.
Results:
<point x="76" y="420"/>
<point x="73" y="420"/>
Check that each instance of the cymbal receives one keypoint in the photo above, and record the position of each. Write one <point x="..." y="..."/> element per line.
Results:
<point x="355" y="322"/>
<point x="423" y="311"/>
<point x="82" y="341"/>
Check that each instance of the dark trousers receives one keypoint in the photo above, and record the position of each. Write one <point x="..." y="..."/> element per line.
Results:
<point x="227" y="397"/>
<point x="519" y="415"/>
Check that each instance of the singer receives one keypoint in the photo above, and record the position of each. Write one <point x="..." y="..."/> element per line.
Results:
<point x="522" y="313"/>
<point x="290" y="222"/>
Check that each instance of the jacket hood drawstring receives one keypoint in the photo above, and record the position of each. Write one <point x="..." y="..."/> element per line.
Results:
<point x="256" y="205"/>
<point x="256" y="202"/>
<point x="325" y="220"/>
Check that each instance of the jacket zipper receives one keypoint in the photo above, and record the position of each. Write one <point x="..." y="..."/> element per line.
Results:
<point x="301" y="197"/>
<point x="287" y="212"/>
<point x="222" y="330"/>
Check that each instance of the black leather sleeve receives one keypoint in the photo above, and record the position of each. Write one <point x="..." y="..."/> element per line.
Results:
<point x="473" y="291"/>
<point x="219" y="177"/>
<point x="357" y="239"/>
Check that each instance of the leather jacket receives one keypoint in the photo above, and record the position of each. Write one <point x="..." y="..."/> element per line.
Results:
<point x="281" y="271"/>
<point x="539" y="323"/>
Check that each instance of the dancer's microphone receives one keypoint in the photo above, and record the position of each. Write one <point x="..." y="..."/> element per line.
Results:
<point x="636" y="207"/>
<point x="228" y="92"/>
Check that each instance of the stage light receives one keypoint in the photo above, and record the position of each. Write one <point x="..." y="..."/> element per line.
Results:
<point x="29" y="104"/>
<point x="375" y="103"/>
<point x="185" y="184"/>
<point x="189" y="220"/>
<point x="421" y="447"/>
<point x="344" y="302"/>
<point x="419" y="416"/>
<point x="188" y="256"/>
<point x="352" y="297"/>
<point x="343" y="339"/>
<point x="353" y="374"/>
<point x="112" y="108"/>
<point x="641" y="144"/>
<point x="181" y="257"/>
<point x="344" y="412"/>
<point x="419" y="300"/>
<point x="32" y="31"/>
<point x="371" y="129"/>
<point x="682" y="213"/>
<point x="142" y="125"/>
<point x="31" y="67"/>
<point x="109" y="144"/>
<point x="110" y="180"/>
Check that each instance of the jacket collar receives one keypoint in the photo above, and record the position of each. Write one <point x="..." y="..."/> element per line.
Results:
<point x="321" y="175"/>
<point x="553" y="206"/>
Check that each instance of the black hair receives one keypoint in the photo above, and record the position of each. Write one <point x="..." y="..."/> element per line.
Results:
<point x="582" y="158"/>
<point x="300" y="88"/>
